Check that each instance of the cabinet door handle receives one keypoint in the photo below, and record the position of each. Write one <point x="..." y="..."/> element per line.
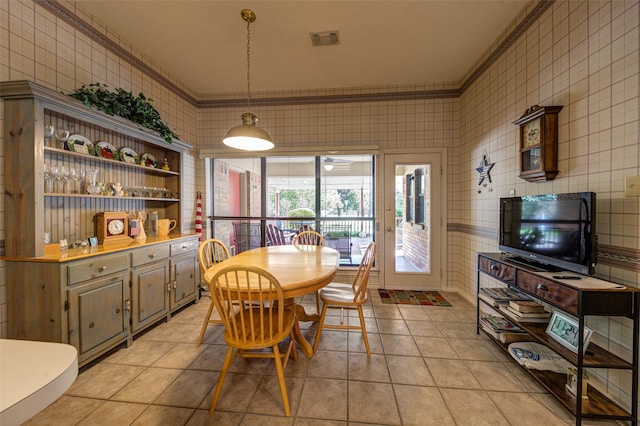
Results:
<point x="102" y="268"/>
<point x="543" y="287"/>
<point x="91" y="325"/>
<point x="152" y="256"/>
<point x="494" y="267"/>
<point x="169" y="287"/>
<point x="175" y="284"/>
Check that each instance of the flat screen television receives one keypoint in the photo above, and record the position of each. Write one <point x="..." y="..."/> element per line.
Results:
<point x="551" y="232"/>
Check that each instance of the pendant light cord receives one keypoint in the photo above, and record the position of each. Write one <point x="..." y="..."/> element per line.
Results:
<point x="249" y="64"/>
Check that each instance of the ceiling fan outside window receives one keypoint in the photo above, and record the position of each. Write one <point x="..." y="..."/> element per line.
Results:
<point x="331" y="163"/>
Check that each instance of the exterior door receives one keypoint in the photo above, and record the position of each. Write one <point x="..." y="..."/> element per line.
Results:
<point x="413" y="203"/>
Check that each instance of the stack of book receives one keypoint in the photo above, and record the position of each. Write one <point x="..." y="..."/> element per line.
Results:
<point x="500" y="296"/>
<point x="526" y="311"/>
<point x="502" y="329"/>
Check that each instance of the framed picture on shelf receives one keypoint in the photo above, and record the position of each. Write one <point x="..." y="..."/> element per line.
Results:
<point x="565" y="331"/>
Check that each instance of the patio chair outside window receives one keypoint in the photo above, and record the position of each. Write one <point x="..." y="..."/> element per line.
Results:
<point x="275" y="236"/>
<point x="339" y="237"/>
<point x="246" y="236"/>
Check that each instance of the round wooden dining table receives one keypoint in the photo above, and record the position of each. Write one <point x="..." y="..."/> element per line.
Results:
<point x="299" y="269"/>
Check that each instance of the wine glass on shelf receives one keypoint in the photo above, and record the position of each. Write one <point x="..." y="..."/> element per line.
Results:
<point x="92" y="178"/>
<point x="48" y="179"/>
<point x="64" y="176"/>
<point x="78" y="177"/>
<point x="54" y="172"/>
<point x="62" y="135"/>
<point x="75" y="179"/>
<point x="49" y="130"/>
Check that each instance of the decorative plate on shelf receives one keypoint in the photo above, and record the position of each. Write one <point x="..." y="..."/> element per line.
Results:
<point x="106" y="150"/>
<point x="129" y="156"/>
<point x="148" y="160"/>
<point x="80" y="144"/>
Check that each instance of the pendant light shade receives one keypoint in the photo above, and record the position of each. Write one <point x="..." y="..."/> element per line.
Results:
<point x="248" y="136"/>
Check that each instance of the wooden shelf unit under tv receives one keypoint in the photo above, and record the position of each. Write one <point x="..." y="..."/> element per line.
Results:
<point x="567" y="297"/>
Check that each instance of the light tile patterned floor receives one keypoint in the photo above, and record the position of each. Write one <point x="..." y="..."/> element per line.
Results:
<point x="428" y="367"/>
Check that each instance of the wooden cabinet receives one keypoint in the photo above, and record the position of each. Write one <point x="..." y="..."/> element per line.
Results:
<point x="538" y="143"/>
<point x="579" y="302"/>
<point x="150" y="285"/>
<point x="97" y="298"/>
<point x="184" y="268"/>
<point x="94" y="298"/>
<point x="98" y="315"/>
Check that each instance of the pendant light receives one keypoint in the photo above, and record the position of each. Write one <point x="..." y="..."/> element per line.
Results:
<point x="248" y="136"/>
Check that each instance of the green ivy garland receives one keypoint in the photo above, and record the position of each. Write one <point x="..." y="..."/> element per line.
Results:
<point x="123" y="104"/>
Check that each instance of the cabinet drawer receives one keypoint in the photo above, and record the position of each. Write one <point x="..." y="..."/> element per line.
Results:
<point x="149" y="254"/>
<point x="97" y="267"/>
<point x="496" y="269"/>
<point x="563" y="297"/>
<point x="185" y="246"/>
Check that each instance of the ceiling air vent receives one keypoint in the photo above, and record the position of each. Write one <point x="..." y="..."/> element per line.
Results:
<point x="326" y="38"/>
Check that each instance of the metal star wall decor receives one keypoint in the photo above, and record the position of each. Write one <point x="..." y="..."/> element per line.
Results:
<point x="484" y="169"/>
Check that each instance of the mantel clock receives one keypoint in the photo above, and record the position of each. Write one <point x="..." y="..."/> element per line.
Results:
<point x="112" y="227"/>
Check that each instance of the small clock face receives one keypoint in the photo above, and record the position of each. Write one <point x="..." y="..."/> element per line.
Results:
<point x="115" y="227"/>
<point x="531" y="133"/>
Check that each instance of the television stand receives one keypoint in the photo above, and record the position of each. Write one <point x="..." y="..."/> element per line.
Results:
<point x="579" y="302"/>
<point x="532" y="264"/>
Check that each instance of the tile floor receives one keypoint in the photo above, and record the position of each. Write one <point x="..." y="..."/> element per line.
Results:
<point x="428" y="367"/>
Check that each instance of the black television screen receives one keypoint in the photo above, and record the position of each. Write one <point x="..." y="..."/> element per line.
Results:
<point x="555" y="231"/>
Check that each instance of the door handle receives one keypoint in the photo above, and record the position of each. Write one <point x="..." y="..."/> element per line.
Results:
<point x="389" y="229"/>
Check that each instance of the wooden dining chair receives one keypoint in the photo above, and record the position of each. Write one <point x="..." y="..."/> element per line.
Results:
<point x="348" y="296"/>
<point x="310" y="238"/>
<point x="263" y="322"/>
<point x="210" y="252"/>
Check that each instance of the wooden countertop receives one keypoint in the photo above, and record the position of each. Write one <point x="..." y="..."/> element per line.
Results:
<point x="54" y="255"/>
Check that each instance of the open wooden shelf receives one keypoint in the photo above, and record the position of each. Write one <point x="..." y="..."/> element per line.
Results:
<point x="110" y="162"/>
<point x="597" y="404"/>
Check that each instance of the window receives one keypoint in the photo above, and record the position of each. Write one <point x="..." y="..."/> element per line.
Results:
<point x="419" y="185"/>
<point x="408" y="192"/>
<point x="333" y="195"/>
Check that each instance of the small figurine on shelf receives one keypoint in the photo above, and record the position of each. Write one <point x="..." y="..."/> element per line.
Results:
<point x="117" y="189"/>
<point x="141" y="238"/>
<point x="165" y="164"/>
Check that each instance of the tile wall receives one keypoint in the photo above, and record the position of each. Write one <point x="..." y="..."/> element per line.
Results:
<point x="583" y="56"/>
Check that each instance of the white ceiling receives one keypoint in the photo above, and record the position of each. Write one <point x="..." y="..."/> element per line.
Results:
<point x="202" y="44"/>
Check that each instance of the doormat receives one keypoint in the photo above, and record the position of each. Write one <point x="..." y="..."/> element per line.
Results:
<point x="413" y="297"/>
